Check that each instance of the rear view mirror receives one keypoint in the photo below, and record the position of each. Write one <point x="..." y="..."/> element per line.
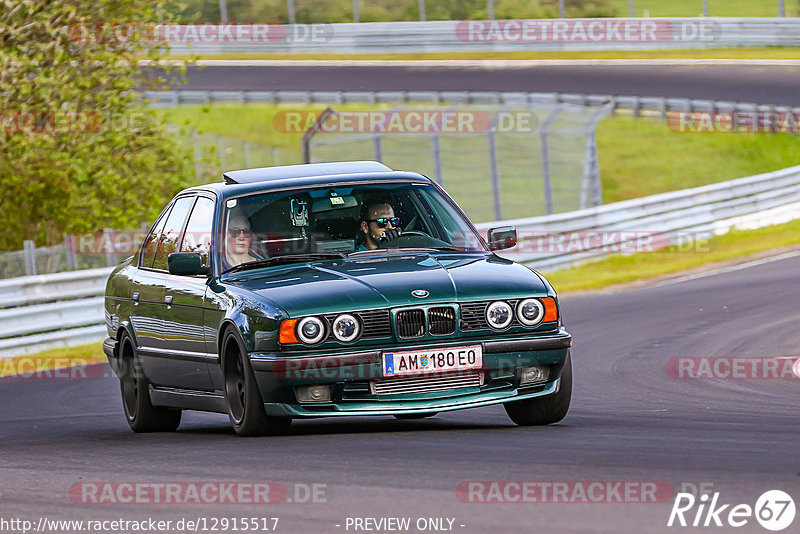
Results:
<point x="186" y="264"/>
<point x="502" y="237"/>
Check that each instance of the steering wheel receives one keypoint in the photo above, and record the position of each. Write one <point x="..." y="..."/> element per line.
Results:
<point x="400" y="240"/>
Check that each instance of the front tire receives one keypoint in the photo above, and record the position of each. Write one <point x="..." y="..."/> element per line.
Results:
<point x="544" y="410"/>
<point x="142" y="416"/>
<point x="245" y="406"/>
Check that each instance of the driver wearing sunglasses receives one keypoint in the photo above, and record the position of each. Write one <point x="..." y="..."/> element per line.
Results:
<point x="378" y="224"/>
<point x="237" y="241"/>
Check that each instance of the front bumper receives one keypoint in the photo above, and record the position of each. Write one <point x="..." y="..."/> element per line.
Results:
<point x="350" y="373"/>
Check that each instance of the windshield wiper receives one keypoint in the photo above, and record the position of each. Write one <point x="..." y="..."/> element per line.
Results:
<point x="288" y="258"/>
<point x="408" y="250"/>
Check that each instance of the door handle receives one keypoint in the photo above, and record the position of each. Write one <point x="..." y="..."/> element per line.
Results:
<point x="135" y="297"/>
<point x="168" y="300"/>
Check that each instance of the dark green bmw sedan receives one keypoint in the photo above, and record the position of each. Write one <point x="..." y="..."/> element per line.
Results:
<point x="330" y="290"/>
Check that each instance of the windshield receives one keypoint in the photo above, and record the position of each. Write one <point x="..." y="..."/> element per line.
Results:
<point x="334" y="221"/>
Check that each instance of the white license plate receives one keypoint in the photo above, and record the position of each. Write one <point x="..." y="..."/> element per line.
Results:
<point x="432" y="361"/>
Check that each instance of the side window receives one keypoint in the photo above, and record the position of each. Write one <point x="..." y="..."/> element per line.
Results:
<point x="168" y="243"/>
<point x="197" y="237"/>
<point x="151" y="242"/>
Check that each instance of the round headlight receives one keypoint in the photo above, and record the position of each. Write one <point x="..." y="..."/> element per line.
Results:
<point x="346" y="328"/>
<point x="499" y="314"/>
<point x="310" y="330"/>
<point x="530" y="312"/>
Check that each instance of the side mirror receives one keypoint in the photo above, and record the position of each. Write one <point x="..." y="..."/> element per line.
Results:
<point x="502" y="237"/>
<point x="186" y="264"/>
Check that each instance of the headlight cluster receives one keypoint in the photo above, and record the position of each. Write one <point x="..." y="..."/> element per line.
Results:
<point x="529" y="312"/>
<point x="345" y="328"/>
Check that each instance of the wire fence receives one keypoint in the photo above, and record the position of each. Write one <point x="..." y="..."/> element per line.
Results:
<point x="517" y="162"/>
<point x="213" y="154"/>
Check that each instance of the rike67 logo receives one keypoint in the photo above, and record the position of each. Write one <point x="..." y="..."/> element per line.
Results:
<point x="774" y="510"/>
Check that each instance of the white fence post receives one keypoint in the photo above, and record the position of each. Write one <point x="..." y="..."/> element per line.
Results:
<point x="30" y="257"/>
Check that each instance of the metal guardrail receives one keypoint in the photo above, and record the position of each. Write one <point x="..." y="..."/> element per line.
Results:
<point x="637" y="104"/>
<point x="51" y="311"/>
<point x="35" y="310"/>
<point x="492" y="36"/>
<point x="676" y="218"/>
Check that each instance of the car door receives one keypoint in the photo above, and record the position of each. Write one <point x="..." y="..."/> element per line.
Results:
<point x="147" y="292"/>
<point x="184" y="302"/>
<point x="162" y="366"/>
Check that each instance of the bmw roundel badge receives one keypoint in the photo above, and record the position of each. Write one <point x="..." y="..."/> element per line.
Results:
<point x="420" y="293"/>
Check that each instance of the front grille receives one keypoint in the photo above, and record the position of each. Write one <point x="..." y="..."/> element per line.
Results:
<point x="473" y="315"/>
<point x="401" y="386"/>
<point x="410" y="323"/>
<point x="375" y="323"/>
<point x="442" y="321"/>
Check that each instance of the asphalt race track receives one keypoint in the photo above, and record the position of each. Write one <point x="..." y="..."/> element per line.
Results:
<point x="630" y="421"/>
<point x="763" y="84"/>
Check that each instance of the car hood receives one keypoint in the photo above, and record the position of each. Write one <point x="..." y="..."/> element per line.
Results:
<point x="380" y="282"/>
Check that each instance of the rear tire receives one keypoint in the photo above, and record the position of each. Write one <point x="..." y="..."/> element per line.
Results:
<point x="544" y="410"/>
<point x="140" y="413"/>
<point x="245" y="406"/>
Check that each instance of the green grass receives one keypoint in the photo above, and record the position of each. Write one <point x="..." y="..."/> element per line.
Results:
<point x="643" y="157"/>
<point x="694" y="8"/>
<point x="622" y="269"/>
<point x="53" y="359"/>
<point x="774" y="52"/>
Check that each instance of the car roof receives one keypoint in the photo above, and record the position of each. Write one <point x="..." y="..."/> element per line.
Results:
<point x="289" y="176"/>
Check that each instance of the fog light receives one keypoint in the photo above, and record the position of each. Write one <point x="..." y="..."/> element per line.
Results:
<point x="537" y="373"/>
<point x="313" y="393"/>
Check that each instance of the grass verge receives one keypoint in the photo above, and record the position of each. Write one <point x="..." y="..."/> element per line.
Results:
<point x="735" y="245"/>
<point x="34" y="365"/>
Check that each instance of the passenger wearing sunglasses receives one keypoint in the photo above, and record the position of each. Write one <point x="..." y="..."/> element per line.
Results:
<point x="378" y="224"/>
<point x="237" y="241"/>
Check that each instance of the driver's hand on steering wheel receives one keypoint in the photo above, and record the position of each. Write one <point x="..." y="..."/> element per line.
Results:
<point x="391" y="234"/>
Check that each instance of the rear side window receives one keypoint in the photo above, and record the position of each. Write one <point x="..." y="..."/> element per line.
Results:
<point x="151" y="243"/>
<point x="168" y="242"/>
<point x="197" y="237"/>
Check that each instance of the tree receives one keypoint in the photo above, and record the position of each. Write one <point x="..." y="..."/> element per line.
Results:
<point x="78" y="149"/>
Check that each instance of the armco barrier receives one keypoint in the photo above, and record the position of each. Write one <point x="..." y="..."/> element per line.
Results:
<point x="492" y="36"/>
<point x="40" y="312"/>
<point x="679" y="216"/>
<point x="51" y="310"/>
<point x="636" y="104"/>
